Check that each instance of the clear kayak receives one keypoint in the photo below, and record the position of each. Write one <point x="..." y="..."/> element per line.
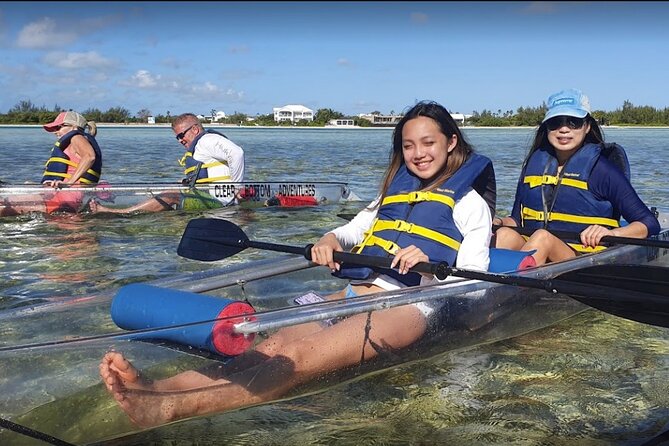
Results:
<point x="20" y="199"/>
<point x="49" y="354"/>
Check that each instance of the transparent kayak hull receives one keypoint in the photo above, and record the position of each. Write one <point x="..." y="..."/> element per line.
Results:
<point x="50" y="354"/>
<point x="249" y="194"/>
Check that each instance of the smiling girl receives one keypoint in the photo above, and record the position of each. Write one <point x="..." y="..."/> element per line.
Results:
<point x="431" y="208"/>
<point x="568" y="184"/>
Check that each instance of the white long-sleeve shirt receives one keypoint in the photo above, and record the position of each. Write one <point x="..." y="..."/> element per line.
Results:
<point x="472" y="218"/>
<point x="212" y="147"/>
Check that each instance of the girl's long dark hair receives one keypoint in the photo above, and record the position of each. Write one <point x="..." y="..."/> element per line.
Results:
<point x="448" y="126"/>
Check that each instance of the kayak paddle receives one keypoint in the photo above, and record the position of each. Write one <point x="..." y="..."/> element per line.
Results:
<point x="635" y="292"/>
<point x="210" y="239"/>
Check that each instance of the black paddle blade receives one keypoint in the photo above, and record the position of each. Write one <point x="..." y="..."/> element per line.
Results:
<point x="637" y="292"/>
<point x="210" y="239"/>
<point x="346" y="216"/>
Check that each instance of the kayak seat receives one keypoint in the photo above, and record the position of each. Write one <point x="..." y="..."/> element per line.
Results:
<point x="506" y="260"/>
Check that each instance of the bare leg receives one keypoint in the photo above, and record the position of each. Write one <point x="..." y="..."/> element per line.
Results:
<point x="508" y="238"/>
<point x="330" y="349"/>
<point x="549" y="247"/>
<point x="163" y="202"/>
<point x="21" y="204"/>
<point x="274" y="345"/>
<point x="116" y="370"/>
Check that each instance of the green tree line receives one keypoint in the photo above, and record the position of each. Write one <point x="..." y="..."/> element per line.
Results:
<point x="25" y="112"/>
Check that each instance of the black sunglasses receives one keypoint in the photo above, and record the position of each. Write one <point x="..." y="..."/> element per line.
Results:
<point x="181" y="135"/>
<point x="560" y="121"/>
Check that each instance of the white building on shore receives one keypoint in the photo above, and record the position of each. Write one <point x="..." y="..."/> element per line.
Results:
<point x="389" y="120"/>
<point x="460" y="118"/>
<point x="377" y="119"/>
<point x="293" y="113"/>
<point x="342" y="122"/>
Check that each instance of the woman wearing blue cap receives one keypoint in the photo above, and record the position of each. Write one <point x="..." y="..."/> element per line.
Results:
<point x="572" y="181"/>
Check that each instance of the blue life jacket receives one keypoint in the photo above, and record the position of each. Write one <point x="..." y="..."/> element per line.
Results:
<point x="192" y="165"/>
<point x="564" y="202"/>
<point x="58" y="162"/>
<point x="410" y="216"/>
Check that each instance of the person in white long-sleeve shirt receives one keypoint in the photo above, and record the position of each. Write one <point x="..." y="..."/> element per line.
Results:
<point x="428" y="192"/>
<point x="210" y="157"/>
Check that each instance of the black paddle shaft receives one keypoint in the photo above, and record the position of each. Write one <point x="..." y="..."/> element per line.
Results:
<point x="210" y="239"/>
<point x="609" y="239"/>
<point x="636" y="292"/>
<point x="440" y="270"/>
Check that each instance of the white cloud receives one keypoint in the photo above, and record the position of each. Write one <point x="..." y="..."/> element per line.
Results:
<point x="208" y="87"/>
<point x="72" y="61"/>
<point x="143" y="79"/>
<point x="48" y="33"/>
<point x="180" y="90"/>
<point x="211" y="91"/>
<point x="234" y="94"/>
<point x="45" y="33"/>
<point x="343" y="62"/>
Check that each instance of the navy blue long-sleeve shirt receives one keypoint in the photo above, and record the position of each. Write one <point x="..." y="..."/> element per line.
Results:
<point x="608" y="183"/>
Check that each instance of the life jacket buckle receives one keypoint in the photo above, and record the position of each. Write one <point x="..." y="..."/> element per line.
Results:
<point x="531" y="214"/>
<point x="549" y="179"/>
<point x="417" y="196"/>
<point x="403" y="226"/>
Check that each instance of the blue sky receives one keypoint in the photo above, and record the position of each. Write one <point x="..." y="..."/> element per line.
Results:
<point x="353" y="57"/>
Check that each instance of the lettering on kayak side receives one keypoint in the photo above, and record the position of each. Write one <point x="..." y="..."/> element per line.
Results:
<point x="247" y="192"/>
<point x="258" y="192"/>
<point x="296" y="189"/>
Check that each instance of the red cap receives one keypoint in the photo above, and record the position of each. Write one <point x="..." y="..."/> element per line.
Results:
<point x="66" y="118"/>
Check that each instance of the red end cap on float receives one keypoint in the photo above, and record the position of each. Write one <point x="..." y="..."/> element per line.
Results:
<point x="223" y="336"/>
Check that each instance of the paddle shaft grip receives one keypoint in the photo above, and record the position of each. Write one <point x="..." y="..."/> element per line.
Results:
<point x="440" y="270"/>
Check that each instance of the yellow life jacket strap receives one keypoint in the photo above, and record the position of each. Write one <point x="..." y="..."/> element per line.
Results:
<point x="57" y="159"/>
<point x="419" y="196"/>
<point x="386" y="245"/>
<point x="182" y="160"/>
<point x="411" y="228"/>
<point x="206" y="165"/>
<point x="539" y="180"/>
<point x="366" y="239"/>
<point x="57" y="174"/>
<point x="531" y="214"/>
<point x="579" y="248"/>
<point x="71" y="164"/>
<point x="212" y="179"/>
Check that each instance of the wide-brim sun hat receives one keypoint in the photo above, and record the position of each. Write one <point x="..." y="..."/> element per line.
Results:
<point x="66" y="118"/>
<point x="570" y="102"/>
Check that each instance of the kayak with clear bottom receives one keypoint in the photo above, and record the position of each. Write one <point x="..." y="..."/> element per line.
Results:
<point x="21" y="199"/>
<point x="49" y="355"/>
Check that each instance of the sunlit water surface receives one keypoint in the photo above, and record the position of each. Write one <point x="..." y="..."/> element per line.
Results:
<point x="592" y="379"/>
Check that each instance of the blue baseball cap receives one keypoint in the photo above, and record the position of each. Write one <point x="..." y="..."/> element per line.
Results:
<point x="568" y="102"/>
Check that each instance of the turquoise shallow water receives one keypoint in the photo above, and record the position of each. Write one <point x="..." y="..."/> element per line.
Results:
<point x="592" y="379"/>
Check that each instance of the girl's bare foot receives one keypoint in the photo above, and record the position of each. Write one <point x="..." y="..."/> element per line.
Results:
<point x="116" y="371"/>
